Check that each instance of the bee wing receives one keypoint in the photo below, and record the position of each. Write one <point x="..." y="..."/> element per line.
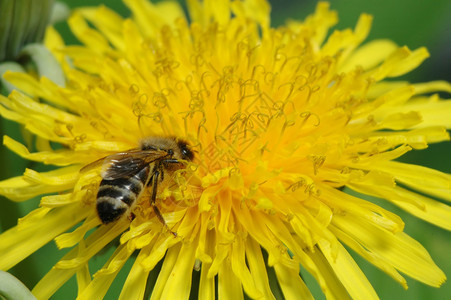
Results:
<point x="128" y="163"/>
<point x="95" y="164"/>
<point x="121" y="165"/>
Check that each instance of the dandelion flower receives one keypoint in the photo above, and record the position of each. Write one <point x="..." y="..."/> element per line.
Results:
<point x="284" y="123"/>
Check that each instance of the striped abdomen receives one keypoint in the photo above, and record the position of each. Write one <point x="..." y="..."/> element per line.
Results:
<point x="116" y="196"/>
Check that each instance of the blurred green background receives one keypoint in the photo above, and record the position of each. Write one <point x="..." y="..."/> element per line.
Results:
<point x="413" y="23"/>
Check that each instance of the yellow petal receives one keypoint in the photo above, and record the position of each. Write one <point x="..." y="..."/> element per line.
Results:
<point x="67" y="240"/>
<point x="321" y="21"/>
<point x="107" y="21"/>
<point x="399" y="250"/>
<point x="257" y="10"/>
<point x="84" y="59"/>
<point x="151" y="17"/>
<point x="365" y="163"/>
<point x="363" y="27"/>
<point x="52" y="39"/>
<point x="109" y="233"/>
<point x="432" y="86"/>
<point x="433" y="112"/>
<point x="144" y="240"/>
<point x="32" y="217"/>
<point x="219" y="10"/>
<point x="379" y="184"/>
<point x="223" y="228"/>
<point x="383" y="105"/>
<point x="178" y="284"/>
<point x="207" y="284"/>
<point x="163" y="243"/>
<point x="54" y="157"/>
<point x="63" y="177"/>
<point x="76" y="258"/>
<point x="416" y="138"/>
<point x="166" y="270"/>
<point x="88" y="36"/>
<point x="204" y="239"/>
<point x="291" y="284"/>
<point x="52" y="281"/>
<point x="369" y="55"/>
<point x="41" y="119"/>
<point x="415" y="58"/>
<point x="20" y="241"/>
<point x="252" y="224"/>
<point x="348" y="272"/>
<point x="301" y="228"/>
<point x="208" y="194"/>
<point x="430" y="210"/>
<point x="239" y="268"/>
<point x="330" y="284"/>
<point x="312" y="218"/>
<point x="135" y="284"/>
<point x="399" y="62"/>
<point x="61" y="199"/>
<point x="83" y="278"/>
<point x="383" y="87"/>
<point x="257" y="268"/>
<point x="399" y="121"/>
<point x="369" y="256"/>
<point x="83" y="274"/>
<point x="222" y="251"/>
<point x="195" y="11"/>
<point x="229" y="285"/>
<point x="135" y="231"/>
<point x="284" y="237"/>
<point x="28" y="84"/>
<point x="98" y="287"/>
<point x="426" y="180"/>
<point x="364" y="209"/>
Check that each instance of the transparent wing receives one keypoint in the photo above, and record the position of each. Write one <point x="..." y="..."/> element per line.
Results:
<point x="125" y="164"/>
<point x="121" y="165"/>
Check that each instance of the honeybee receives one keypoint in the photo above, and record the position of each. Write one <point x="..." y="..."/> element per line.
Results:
<point x="125" y="175"/>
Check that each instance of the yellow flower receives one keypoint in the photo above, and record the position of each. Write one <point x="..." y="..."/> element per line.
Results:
<point x="291" y="126"/>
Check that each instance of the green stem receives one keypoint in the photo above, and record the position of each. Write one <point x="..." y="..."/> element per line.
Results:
<point x="11" y="288"/>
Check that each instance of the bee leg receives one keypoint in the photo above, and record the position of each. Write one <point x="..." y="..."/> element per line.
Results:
<point x="161" y="172"/>
<point x="153" y="199"/>
<point x="131" y="217"/>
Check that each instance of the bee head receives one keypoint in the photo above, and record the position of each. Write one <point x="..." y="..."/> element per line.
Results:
<point x="187" y="153"/>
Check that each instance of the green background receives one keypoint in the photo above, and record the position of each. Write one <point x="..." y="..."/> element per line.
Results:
<point x="407" y="22"/>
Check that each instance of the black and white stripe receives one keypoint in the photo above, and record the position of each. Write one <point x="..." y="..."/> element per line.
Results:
<point x="116" y="196"/>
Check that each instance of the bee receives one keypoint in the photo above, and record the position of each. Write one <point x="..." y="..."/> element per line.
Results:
<point x="126" y="175"/>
